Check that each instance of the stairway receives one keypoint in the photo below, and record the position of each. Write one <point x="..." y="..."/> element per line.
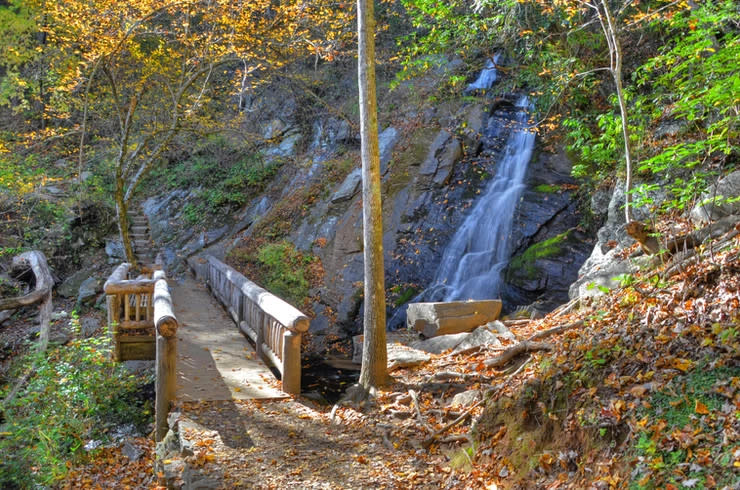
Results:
<point x="141" y="241"/>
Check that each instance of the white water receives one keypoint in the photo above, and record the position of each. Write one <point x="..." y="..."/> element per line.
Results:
<point x="487" y="77"/>
<point x="473" y="260"/>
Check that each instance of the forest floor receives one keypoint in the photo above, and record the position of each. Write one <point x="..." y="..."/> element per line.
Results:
<point x="638" y="388"/>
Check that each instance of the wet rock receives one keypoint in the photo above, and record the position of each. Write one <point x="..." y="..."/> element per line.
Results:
<point x="349" y="187"/>
<point x="439" y="163"/>
<point x="549" y="266"/>
<point x="706" y="210"/>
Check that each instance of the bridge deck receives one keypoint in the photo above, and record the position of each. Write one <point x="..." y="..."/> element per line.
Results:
<point x="215" y="361"/>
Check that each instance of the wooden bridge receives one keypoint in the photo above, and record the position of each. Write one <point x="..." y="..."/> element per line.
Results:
<point x="202" y="353"/>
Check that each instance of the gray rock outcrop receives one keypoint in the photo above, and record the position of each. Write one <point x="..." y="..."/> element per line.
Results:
<point x="714" y="204"/>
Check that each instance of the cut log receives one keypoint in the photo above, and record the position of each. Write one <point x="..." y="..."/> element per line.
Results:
<point x="34" y="261"/>
<point x="432" y="319"/>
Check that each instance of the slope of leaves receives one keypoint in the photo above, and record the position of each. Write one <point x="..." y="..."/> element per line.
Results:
<point x="645" y="394"/>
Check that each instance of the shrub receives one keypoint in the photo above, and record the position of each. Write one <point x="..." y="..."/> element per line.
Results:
<point x="75" y="394"/>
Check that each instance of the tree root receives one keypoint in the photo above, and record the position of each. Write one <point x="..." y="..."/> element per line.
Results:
<point x="515" y="350"/>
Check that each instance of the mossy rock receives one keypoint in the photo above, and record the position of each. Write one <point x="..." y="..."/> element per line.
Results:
<point x="528" y="265"/>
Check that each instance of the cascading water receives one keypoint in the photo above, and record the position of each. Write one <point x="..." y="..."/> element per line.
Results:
<point x="472" y="263"/>
<point x="487" y="77"/>
<point x="473" y="260"/>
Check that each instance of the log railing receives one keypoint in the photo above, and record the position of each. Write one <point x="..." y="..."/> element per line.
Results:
<point x="273" y="325"/>
<point x="143" y="305"/>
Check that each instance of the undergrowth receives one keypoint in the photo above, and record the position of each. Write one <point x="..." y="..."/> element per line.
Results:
<point x="74" y="394"/>
<point x="281" y="269"/>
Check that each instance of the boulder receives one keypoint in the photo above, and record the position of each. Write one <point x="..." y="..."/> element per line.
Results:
<point x="115" y="251"/>
<point x="478" y="337"/>
<point x="287" y="147"/>
<point x="713" y="205"/>
<point x="88" y="291"/>
<point x="400" y="356"/>
<point x="89" y="326"/>
<point x="475" y="122"/>
<point x="437" y="345"/>
<point x="70" y="288"/>
<point x="349" y="187"/>
<point x="465" y="398"/>
<point x="600" y="271"/>
<point x="432" y="319"/>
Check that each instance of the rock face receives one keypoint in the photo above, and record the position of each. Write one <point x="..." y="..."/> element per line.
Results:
<point x="436" y="169"/>
<point x="548" y="249"/>
<point x="712" y="204"/>
<point x="433" y="319"/>
<point x="435" y="161"/>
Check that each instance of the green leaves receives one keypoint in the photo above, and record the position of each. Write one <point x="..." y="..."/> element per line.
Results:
<point x="74" y="394"/>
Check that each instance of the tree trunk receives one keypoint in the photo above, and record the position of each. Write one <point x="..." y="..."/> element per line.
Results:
<point x="374" y="371"/>
<point x="36" y="261"/>
<point x="609" y="27"/>
<point x="122" y="214"/>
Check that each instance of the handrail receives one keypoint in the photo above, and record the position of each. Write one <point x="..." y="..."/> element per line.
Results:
<point x="274" y="325"/>
<point x="145" y="304"/>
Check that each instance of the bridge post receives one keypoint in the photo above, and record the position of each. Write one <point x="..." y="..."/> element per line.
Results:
<point x="166" y="374"/>
<point x="291" y="362"/>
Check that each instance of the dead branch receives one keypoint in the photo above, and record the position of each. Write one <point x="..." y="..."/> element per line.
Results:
<point x="566" y="308"/>
<point x="415" y="401"/>
<point x="447" y="375"/>
<point x="555" y="330"/>
<point x="430" y="440"/>
<point x="515" y="350"/>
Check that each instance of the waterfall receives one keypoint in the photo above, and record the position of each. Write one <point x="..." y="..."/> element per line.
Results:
<point x="473" y="260"/>
<point x="487" y="77"/>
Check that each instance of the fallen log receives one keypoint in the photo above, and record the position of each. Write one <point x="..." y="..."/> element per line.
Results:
<point x="35" y="262"/>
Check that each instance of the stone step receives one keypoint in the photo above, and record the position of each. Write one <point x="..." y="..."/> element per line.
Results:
<point x="139" y="236"/>
<point x="139" y="229"/>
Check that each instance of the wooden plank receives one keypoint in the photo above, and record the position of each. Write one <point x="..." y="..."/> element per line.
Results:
<point x="138" y="351"/>
<point x="136" y="339"/>
<point x="130" y="286"/>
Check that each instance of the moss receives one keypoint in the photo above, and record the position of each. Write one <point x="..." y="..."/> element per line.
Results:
<point x="551" y="247"/>
<point x="547" y="188"/>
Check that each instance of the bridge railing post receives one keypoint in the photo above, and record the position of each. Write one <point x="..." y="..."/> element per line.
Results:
<point x="166" y="374"/>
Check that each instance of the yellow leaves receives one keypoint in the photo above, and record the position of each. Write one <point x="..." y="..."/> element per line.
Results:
<point x="682" y="365"/>
<point x="700" y="408"/>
